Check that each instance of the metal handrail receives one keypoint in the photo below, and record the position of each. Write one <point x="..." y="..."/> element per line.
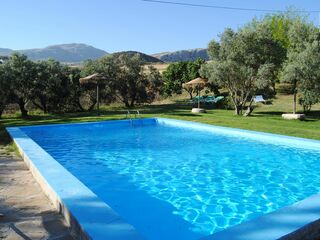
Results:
<point x="128" y="114"/>
<point x="137" y="113"/>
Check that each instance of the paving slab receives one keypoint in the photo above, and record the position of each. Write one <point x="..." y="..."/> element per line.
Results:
<point x="25" y="211"/>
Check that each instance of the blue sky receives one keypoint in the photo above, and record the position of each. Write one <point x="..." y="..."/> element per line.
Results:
<point x="117" y="25"/>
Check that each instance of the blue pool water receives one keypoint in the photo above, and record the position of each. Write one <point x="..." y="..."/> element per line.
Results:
<point x="175" y="181"/>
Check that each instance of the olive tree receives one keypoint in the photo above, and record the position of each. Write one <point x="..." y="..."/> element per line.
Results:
<point x="125" y="79"/>
<point x="301" y="64"/>
<point x="244" y="63"/>
<point x="6" y="87"/>
<point x="23" y="73"/>
<point x="302" y="70"/>
<point x="132" y="83"/>
<point x="55" y="87"/>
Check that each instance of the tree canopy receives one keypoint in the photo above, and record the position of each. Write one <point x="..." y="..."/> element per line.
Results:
<point x="251" y="60"/>
<point x="178" y="73"/>
<point x="244" y="62"/>
<point x="126" y="79"/>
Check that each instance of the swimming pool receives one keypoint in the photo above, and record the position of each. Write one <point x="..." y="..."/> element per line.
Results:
<point x="173" y="179"/>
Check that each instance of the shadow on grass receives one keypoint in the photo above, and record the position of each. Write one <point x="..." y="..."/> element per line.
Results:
<point x="312" y="114"/>
<point x="186" y="115"/>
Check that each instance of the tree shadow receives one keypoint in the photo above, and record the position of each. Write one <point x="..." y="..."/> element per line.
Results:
<point x="186" y="114"/>
<point x="20" y="223"/>
<point x="22" y="217"/>
<point x="312" y="114"/>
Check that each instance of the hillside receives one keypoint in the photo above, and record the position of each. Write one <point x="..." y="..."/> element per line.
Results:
<point x="146" y="58"/>
<point x="5" y="51"/>
<point x="67" y="53"/>
<point x="78" y="53"/>
<point x="183" y="55"/>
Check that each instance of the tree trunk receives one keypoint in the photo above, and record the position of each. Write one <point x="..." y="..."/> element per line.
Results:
<point x="37" y="105"/>
<point x="92" y="106"/>
<point x="80" y="106"/>
<point x="294" y="97"/>
<point x="190" y="93"/>
<point x="126" y="103"/>
<point x="237" y="106"/>
<point x="249" y="109"/>
<point x="237" y="109"/>
<point x="274" y="89"/>
<point x="41" y="106"/>
<point x="294" y="102"/>
<point x="1" y="110"/>
<point x="132" y="102"/>
<point x="98" y="100"/>
<point x="44" y="104"/>
<point x="24" y="112"/>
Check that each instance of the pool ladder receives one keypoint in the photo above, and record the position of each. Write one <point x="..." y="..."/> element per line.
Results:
<point x="136" y="116"/>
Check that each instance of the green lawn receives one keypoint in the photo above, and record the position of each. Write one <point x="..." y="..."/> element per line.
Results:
<point x="266" y="118"/>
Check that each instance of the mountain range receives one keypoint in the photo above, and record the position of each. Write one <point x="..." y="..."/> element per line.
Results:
<point x="78" y="52"/>
<point x="67" y="53"/>
<point x="143" y="56"/>
<point x="183" y="55"/>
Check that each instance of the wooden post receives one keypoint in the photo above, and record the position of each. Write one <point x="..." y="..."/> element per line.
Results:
<point x="98" y="99"/>
<point x="294" y="102"/>
<point x="198" y="96"/>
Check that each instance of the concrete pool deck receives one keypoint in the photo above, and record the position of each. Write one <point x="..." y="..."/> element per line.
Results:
<point x="27" y="212"/>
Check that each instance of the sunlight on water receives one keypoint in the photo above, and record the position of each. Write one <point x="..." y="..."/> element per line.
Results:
<point x="209" y="181"/>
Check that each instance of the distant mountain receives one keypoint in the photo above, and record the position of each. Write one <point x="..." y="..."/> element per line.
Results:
<point x="67" y="53"/>
<point x="183" y="55"/>
<point x="5" y="51"/>
<point x="77" y="53"/>
<point x="146" y="58"/>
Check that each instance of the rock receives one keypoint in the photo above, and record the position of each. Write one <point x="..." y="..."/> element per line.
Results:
<point x="291" y="116"/>
<point x="198" y="110"/>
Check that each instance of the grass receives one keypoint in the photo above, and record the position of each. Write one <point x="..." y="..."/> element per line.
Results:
<point x="266" y="118"/>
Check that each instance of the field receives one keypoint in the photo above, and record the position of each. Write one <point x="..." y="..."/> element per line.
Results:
<point x="160" y="66"/>
<point x="265" y="118"/>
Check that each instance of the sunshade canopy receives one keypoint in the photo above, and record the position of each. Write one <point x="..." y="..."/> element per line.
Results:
<point x="94" y="78"/>
<point x="197" y="82"/>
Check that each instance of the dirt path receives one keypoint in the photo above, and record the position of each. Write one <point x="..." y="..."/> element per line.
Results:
<point x="25" y="212"/>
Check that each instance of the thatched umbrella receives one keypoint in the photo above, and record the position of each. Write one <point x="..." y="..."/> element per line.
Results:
<point x="95" y="78"/>
<point x="198" y="82"/>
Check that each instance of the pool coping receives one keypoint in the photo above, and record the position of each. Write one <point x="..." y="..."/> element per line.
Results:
<point x="79" y="204"/>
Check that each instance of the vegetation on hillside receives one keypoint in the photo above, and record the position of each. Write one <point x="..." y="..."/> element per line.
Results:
<point x="183" y="55"/>
<point x="144" y="57"/>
